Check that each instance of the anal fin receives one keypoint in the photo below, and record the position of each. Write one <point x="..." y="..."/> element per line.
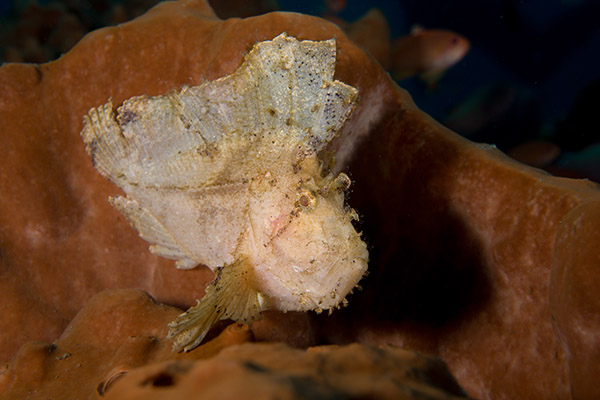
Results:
<point x="229" y="296"/>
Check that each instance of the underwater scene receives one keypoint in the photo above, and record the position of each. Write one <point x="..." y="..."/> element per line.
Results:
<point x="286" y="199"/>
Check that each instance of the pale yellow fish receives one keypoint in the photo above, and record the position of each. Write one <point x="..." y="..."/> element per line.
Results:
<point x="227" y="174"/>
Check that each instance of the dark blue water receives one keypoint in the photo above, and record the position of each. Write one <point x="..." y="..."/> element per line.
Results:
<point x="548" y="50"/>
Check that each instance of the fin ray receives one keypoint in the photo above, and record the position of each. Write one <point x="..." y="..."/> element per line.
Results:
<point x="229" y="296"/>
<point x="151" y="230"/>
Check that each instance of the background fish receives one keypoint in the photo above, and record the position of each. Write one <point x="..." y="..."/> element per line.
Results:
<point x="427" y="53"/>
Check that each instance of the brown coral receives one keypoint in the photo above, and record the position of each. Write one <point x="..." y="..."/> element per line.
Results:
<point x="115" y="348"/>
<point x="274" y="370"/>
<point x="574" y="300"/>
<point x="116" y="332"/>
<point x="463" y="238"/>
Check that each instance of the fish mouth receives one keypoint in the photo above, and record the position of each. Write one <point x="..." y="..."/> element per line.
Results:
<point x="320" y="283"/>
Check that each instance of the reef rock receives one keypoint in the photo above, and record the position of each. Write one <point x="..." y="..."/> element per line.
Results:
<point x="574" y="300"/>
<point x="274" y="370"/>
<point x="117" y="331"/>
<point x="115" y="347"/>
<point x="462" y="239"/>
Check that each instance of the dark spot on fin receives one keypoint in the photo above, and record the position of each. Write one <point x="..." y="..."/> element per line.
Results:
<point x="127" y="116"/>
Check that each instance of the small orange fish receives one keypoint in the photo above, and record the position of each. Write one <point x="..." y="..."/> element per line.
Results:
<point x="335" y="6"/>
<point x="427" y="53"/>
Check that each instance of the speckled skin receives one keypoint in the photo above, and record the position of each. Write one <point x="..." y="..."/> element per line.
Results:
<point x="227" y="174"/>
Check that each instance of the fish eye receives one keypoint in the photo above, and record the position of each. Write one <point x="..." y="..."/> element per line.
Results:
<point x="306" y="199"/>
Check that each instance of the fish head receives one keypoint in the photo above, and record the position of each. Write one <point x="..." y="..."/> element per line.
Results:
<point x="448" y="48"/>
<point x="307" y="253"/>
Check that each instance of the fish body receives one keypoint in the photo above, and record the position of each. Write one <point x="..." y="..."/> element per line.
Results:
<point x="227" y="175"/>
<point x="427" y="53"/>
<point x="372" y="33"/>
<point x="335" y="6"/>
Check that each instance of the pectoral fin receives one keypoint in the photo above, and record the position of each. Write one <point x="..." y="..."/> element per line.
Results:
<point x="153" y="231"/>
<point x="229" y="296"/>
